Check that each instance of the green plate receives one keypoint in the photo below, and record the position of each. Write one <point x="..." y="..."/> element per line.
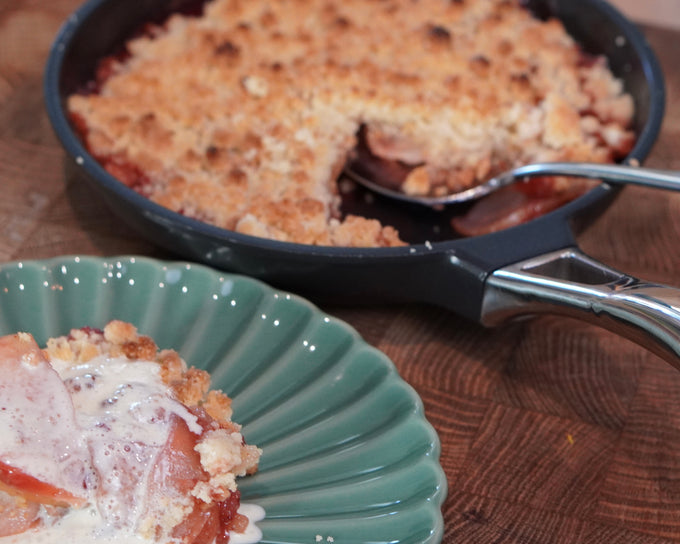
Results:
<point x="348" y="455"/>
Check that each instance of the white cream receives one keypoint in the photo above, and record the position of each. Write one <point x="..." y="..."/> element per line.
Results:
<point x="252" y="534"/>
<point x="124" y="411"/>
<point x="86" y="526"/>
<point x="123" y="415"/>
<point x="83" y="526"/>
<point x="38" y="427"/>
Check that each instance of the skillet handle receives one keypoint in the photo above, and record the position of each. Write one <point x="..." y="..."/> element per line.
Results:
<point x="570" y="283"/>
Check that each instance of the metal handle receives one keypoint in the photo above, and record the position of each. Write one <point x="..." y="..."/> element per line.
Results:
<point x="611" y="173"/>
<point x="570" y="283"/>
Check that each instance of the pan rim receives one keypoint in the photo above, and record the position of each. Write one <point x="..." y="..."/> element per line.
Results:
<point x="155" y="212"/>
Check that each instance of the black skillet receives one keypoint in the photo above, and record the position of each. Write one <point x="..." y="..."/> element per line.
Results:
<point x="531" y="268"/>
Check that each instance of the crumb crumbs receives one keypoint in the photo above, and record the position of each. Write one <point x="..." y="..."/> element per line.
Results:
<point x="255" y="86"/>
<point x="570" y="439"/>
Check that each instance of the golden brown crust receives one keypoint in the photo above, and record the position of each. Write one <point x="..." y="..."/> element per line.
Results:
<point x="243" y="117"/>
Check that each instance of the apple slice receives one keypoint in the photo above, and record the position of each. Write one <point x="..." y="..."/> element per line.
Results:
<point x="17" y="515"/>
<point x="43" y="458"/>
<point x="177" y="470"/>
<point x="175" y="473"/>
<point x="19" y="484"/>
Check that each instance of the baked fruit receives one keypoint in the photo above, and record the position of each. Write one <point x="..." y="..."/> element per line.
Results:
<point x="107" y="438"/>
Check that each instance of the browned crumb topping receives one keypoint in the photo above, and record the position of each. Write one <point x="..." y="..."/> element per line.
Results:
<point x="244" y="117"/>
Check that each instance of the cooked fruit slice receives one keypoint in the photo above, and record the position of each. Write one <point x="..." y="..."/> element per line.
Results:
<point x="177" y="470"/>
<point x="391" y="144"/>
<point x="41" y="457"/>
<point x="17" y="515"/>
<point x="175" y="474"/>
<point x="509" y="207"/>
<point x="19" y="484"/>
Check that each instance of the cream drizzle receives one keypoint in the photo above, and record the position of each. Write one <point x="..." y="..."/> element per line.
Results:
<point x="123" y="413"/>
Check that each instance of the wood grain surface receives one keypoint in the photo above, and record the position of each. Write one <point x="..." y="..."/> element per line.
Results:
<point x="552" y="430"/>
<point x="664" y="13"/>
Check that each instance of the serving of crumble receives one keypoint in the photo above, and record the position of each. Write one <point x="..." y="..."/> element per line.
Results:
<point x="109" y="439"/>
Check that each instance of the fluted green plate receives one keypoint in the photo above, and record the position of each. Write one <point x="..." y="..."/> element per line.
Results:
<point x="348" y="455"/>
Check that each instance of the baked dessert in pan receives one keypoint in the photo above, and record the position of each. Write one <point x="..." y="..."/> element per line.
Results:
<point x="244" y="116"/>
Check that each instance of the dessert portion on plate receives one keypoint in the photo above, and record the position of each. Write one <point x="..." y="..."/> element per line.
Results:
<point x="106" y="438"/>
<point x="244" y="116"/>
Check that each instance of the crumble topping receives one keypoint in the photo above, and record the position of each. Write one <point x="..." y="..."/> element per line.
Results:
<point x="244" y="117"/>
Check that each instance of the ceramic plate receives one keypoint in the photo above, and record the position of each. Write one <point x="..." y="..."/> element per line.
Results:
<point x="348" y="455"/>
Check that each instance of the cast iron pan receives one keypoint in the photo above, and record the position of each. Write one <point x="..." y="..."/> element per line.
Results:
<point x="535" y="267"/>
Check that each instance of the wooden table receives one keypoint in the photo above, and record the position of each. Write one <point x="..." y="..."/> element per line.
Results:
<point x="552" y="430"/>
